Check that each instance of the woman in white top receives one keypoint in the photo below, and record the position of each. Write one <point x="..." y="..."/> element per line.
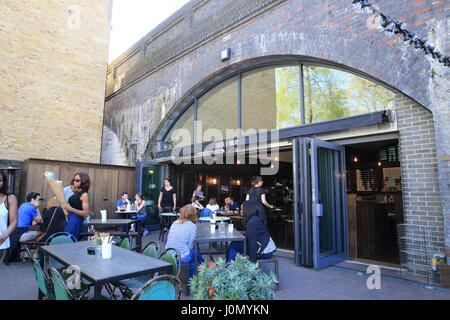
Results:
<point x="8" y="210"/>
<point x="212" y="205"/>
<point x="196" y="204"/>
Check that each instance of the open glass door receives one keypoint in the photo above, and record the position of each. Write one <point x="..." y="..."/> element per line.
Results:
<point x="149" y="183"/>
<point x="328" y="203"/>
<point x="320" y="203"/>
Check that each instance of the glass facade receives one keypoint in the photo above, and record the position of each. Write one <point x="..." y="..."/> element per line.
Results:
<point x="332" y="94"/>
<point x="271" y="98"/>
<point x="183" y="137"/>
<point x="218" y="109"/>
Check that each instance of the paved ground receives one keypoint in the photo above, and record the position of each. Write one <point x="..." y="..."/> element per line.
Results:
<point x="334" y="283"/>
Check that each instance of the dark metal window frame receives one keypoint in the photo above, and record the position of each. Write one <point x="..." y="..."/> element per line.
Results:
<point x="239" y="74"/>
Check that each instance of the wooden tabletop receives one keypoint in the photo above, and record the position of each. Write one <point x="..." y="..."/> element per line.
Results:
<point x="123" y="264"/>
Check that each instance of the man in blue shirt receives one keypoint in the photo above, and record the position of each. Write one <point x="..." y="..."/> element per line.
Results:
<point x="123" y="201"/>
<point x="28" y="214"/>
<point x="231" y="206"/>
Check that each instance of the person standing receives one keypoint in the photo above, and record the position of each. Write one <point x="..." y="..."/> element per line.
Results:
<point x="257" y="195"/>
<point x="78" y="206"/>
<point x="8" y="212"/>
<point x="28" y="214"/>
<point x="199" y="193"/>
<point x="167" y="197"/>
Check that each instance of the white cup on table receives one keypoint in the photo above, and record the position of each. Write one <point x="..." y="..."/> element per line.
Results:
<point x="104" y="215"/>
<point x="230" y="228"/>
<point x="106" y="250"/>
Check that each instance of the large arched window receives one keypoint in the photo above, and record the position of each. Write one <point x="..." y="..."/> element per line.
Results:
<point x="279" y="97"/>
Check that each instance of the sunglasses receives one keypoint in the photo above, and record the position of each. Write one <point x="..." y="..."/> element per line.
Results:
<point x="76" y="180"/>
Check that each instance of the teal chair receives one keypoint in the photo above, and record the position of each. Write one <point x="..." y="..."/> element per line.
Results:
<point x="125" y="243"/>
<point x="166" y="287"/>
<point x="126" y="286"/>
<point x="151" y="249"/>
<point x="61" y="290"/>
<point x="45" y="289"/>
<point x="55" y="239"/>
<point x="171" y="256"/>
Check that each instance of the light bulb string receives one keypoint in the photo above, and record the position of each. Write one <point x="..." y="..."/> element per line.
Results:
<point x="395" y="26"/>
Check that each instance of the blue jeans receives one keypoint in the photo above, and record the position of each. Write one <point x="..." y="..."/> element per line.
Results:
<point x="237" y="247"/>
<point x="234" y="249"/>
<point x="190" y="258"/>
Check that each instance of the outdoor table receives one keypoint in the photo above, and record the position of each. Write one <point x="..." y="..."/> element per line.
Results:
<point x="127" y="214"/>
<point x="169" y="218"/>
<point x="238" y="221"/>
<point x="111" y="223"/>
<point x="123" y="264"/>
<point x="204" y="235"/>
<point x="218" y="218"/>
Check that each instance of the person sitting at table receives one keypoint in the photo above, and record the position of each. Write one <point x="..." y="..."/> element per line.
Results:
<point x="54" y="220"/>
<point x="140" y="206"/>
<point x="123" y="201"/>
<point x="259" y="243"/>
<point x="231" y="206"/>
<point x="212" y="205"/>
<point x="28" y="214"/>
<point x="181" y="237"/>
<point x="197" y="205"/>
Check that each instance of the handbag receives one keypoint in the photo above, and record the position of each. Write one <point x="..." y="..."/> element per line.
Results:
<point x="41" y="236"/>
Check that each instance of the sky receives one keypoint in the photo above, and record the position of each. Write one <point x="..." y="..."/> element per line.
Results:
<point x="133" y="19"/>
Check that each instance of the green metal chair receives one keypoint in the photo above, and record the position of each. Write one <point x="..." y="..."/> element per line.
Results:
<point x="45" y="289"/>
<point x="151" y="249"/>
<point x="55" y="239"/>
<point x="62" y="291"/>
<point x="125" y="243"/>
<point x="171" y="256"/>
<point x="126" y="286"/>
<point x="165" y="287"/>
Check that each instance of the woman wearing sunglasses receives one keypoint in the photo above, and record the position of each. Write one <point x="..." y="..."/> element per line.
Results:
<point x="78" y="204"/>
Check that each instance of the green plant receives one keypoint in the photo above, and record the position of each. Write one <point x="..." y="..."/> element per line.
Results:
<point x="235" y="280"/>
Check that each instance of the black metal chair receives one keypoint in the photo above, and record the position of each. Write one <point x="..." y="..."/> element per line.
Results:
<point x="165" y="223"/>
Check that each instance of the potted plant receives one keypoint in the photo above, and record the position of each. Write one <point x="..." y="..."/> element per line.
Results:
<point x="235" y="280"/>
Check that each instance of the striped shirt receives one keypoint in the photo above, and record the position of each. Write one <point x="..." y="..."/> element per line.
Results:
<point x="181" y="237"/>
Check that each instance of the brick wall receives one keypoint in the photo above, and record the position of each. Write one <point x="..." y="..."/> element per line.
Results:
<point x="422" y="203"/>
<point x="52" y="78"/>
